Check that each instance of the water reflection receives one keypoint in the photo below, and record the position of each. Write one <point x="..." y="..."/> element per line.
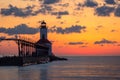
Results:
<point x="8" y="73"/>
<point x="74" y="69"/>
<point x="37" y="72"/>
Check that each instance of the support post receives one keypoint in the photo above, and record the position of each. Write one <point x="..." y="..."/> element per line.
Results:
<point x="19" y="48"/>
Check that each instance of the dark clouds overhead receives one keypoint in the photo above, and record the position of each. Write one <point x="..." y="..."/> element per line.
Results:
<point x="21" y="12"/>
<point x="29" y="11"/>
<point x="105" y="41"/>
<point x="76" y="43"/>
<point x="19" y="29"/>
<point x="24" y="29"/>
<point x="25" y="12"/>
<point x="104" y="10"/>
<point x="50" y="1"/>
<point x="107" y="10"/>
<point x="110" y="1"/>
<point x="90" y="3"/>
<point x="59" y="14"/>
<point x="117" y="11"/>
<point x="72" y="29"/>
<point x="44" y="10"/>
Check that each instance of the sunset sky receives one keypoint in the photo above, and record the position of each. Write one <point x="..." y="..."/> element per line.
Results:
<point x="75" y="27"/>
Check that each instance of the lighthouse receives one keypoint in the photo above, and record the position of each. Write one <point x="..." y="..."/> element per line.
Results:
<point x="43" y="31"/>
<point x="44" y="40"/>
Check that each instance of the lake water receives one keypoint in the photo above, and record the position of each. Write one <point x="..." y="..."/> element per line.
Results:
<point x="76" y="68"/>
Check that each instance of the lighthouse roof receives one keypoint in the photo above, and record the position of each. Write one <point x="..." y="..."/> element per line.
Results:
<point x="43" y="41"/>
<point x="43" y="22"/>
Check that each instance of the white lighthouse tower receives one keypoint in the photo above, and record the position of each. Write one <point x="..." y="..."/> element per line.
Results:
<point x="43" y="30"/>
<point x="43" y="38"/>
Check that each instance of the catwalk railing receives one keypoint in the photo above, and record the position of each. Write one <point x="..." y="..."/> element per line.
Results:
<point x="26" y="47"/>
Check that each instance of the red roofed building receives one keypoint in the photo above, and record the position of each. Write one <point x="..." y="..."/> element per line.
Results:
<point x="43" y="39"/>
